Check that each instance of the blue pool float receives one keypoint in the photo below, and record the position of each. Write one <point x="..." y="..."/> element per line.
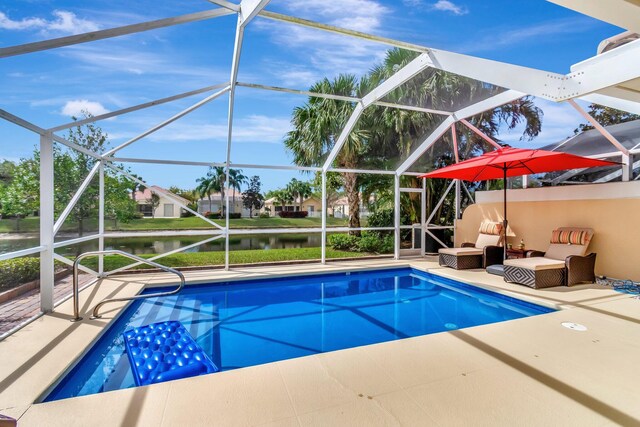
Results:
<point x="165" y="351"/>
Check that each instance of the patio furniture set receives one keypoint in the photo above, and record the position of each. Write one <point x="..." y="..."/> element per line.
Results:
<point x="565" y="263"/>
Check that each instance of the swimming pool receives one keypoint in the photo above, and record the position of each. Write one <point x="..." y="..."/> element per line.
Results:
<point x="247" y="323"/>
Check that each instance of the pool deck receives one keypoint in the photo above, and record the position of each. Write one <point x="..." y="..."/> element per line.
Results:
<point x="529" y="371"/>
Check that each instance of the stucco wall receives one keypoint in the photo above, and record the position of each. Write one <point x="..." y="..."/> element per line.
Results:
<point x="612" y="210"/>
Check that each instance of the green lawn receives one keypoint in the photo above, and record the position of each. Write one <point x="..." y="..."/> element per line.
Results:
<point x="191" y="259"/>
<point x="191" y="223"/>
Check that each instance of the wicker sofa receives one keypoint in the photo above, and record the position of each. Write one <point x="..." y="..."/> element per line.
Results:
<point x="565" y="263"/>
<point x="485" y="251"/>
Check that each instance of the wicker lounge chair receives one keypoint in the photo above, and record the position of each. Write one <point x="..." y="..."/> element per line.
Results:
<point x="485" y="251"/>
<point x="564" y="263"/>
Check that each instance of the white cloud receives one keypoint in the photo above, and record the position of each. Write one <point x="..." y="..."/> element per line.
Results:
<point x="64" y="22"/>
<point x="24" y="24"/>
<point x="440" y="5"/>
<point x="76" y="107"/>
<point x="325" y="54"/>
<point x="447" y="6"/>
<point x="500" y="38"/>
<point x="351" y="13"/>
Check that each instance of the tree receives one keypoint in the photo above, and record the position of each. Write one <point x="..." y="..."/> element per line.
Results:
<point x="7" y="170"/>
<point x="299" y="190"/>
<point x="236" y="181"/>
<point x="154" y="201"/>
<point x="206" y="186"/>
<point x="316" y="127"/>
<point x="190" y="195"/>
<point x="215" y="180"/>
<point x="384" y="136"/>
<point x="606" y="116"/>
<point x="282" y="196"/>
<point x="21" y="197"/>
<point x="118" y="206"/>
<point x="252" y="197"/>
<point x="136" y="186"/>
<point x="71" y="167"/>
<point x="334" y="185"/>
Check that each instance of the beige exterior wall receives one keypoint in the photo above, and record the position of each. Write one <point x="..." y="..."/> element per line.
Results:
<point x="610" y="209"/>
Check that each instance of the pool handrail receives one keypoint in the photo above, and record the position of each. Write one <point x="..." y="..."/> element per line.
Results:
<point x="96" y="315"/>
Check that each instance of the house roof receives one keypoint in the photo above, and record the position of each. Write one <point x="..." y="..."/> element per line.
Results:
<point x="147" y="193"/>
<point x="272" y="200"/>
<point x="592" y="142"/>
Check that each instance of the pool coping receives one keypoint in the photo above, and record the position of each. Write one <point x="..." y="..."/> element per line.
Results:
<point x="21" y="401"/>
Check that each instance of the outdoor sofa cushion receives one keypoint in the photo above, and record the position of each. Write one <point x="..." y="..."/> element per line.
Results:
<point x="561" y="252"/>
<point x="536" y="263"/>
<point x="460" y="251"/>
<point x="487" y="240"/>
<point x="488" y="227"/>
<point x="567" y="241"/>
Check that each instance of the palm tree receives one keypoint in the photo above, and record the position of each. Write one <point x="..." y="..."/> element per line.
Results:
<point x="317" y="125"/>
<point x="439" y="89"/>
<point x="299" y="190"/>
<point x="282" y="196"/>
<point x="384" y="133"/>
<point x="236" y="180"/>
<point x="215" y="180"/>
<point x="206" y="186"/>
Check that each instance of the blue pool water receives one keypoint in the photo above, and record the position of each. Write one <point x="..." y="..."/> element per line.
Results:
<point x="253" y="322"/>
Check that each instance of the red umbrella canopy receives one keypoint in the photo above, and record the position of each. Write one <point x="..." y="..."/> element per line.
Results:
<point x="517" y="162"/>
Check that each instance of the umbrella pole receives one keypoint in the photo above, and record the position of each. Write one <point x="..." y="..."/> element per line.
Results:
<point x="504" y="220"/>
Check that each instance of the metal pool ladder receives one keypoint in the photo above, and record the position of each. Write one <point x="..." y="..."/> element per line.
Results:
<point x="96" y="315"/>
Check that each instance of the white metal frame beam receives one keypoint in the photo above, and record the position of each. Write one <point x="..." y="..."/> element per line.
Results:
<point x="72" y="203"/>
<point x="47" y="269"/>
<point x="248" y="10"/>
<point x="480" y="134"/>
<point x="111" y="32"/>
<point x="136" y="108"/>
<point x="343" y="98"/>
<point x="601" y="72"/>
<point x="41" y="131"/>
<point x="606" y="98"/>
<point x="599" y="127"/>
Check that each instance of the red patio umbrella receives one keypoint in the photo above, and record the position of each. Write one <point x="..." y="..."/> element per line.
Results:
<point x="508" y="161"/>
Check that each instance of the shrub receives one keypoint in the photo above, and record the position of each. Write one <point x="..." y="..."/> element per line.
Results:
<point x="385" y="218"/>
<point x="218" y="215"/>
<point x="212" y="215"/>
<point x="380" y="218"/>
<point x="297" y="214"/>
<point x="265" y="215"/>
<point x="14" y="272"/>
<point x="371" y="242"/>
<point x="185" y="213"/>
<point x="343" y="242"/>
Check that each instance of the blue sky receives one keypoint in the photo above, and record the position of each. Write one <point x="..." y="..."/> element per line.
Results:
<point x="48" y="87"/>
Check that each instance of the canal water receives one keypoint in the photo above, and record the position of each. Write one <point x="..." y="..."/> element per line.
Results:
<point x="151" y="245"/>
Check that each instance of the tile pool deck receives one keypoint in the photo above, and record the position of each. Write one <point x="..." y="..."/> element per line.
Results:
<point x="530" y="371"/>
